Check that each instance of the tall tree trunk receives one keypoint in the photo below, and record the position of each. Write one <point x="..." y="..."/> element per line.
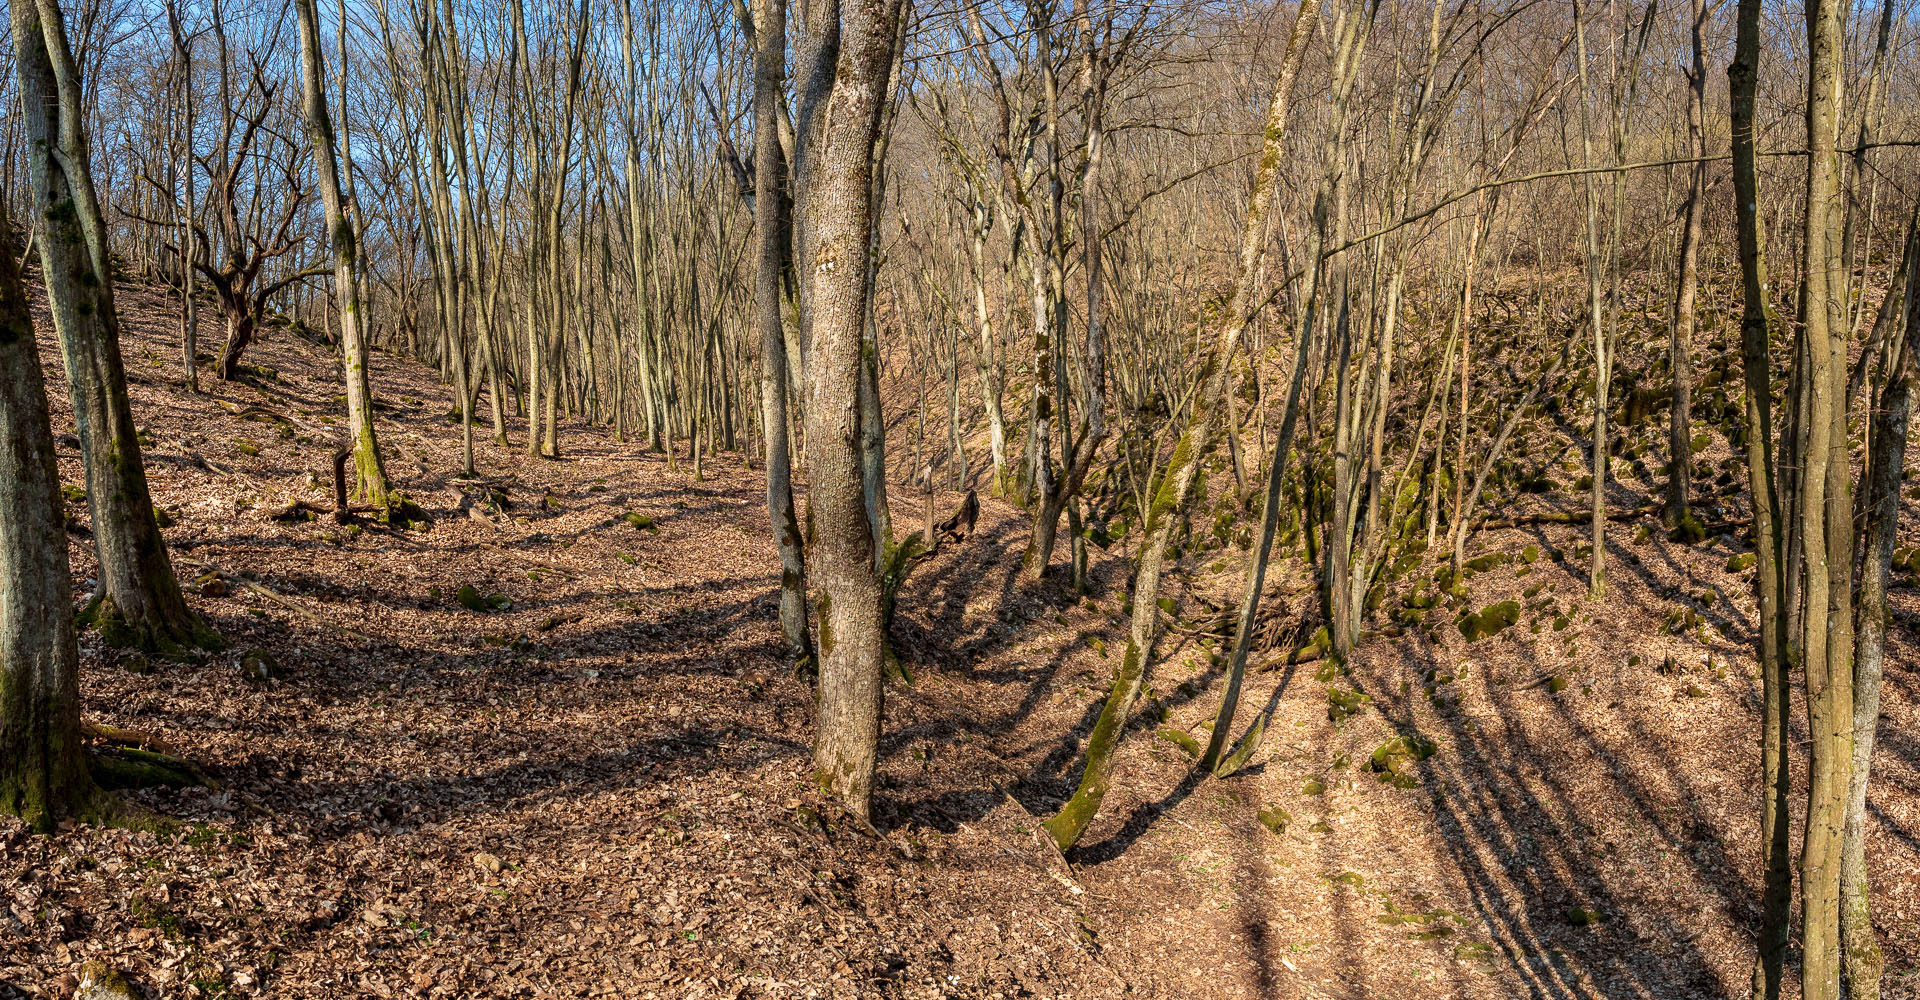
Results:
<point x="370" y="473"/>
<point x="43" y="770"/>
<point x="1680" y="345"/>
<point x="837" y="204"/>
<point x="1756" y="334"/>
<point x="1886" y="462"/>
<point x="1175" y="482"/>
<point x="139" y="602"/>
<point x="769" y="26"/>
<point x="1825" y="512"/>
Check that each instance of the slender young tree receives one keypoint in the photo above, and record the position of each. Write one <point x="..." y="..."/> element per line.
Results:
<point x="767" y="22"/>
<point x="139" y="602"/>
<point x="371" y="474"/>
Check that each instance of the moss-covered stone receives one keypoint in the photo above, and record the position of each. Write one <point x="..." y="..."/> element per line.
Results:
<point x="1397" y="761"/>
<point x="1689" y="530"/>
<point x="1741" y="562"/>
<point x="472" y="599"/>
<point x="1274" y="818"/>
<point x="1489" y="621"/>
<point x="1345" y="703"/>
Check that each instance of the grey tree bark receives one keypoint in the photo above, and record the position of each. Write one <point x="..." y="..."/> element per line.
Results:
<point x="139" y="602"/>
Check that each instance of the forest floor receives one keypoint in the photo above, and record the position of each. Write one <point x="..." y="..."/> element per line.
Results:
<point x="600" y="788"/>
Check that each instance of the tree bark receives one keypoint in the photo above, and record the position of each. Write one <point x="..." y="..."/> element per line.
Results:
<point x="769" y="25"/>
<point x="43" y="770"/>
<point x="370" y="473"/>
<point x="837" y="203"/>
<point x="139" y="602"/>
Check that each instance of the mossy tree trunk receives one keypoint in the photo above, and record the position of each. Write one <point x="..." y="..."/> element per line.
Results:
<point x="1886" y="460"/>
<point x="139" y="602"/>
<point x="1175" y="482"/>
<point x="370" y="473"/>
<point x="43" y="770"/>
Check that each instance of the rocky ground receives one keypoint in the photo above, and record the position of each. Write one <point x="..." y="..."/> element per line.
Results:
<point x="596" y="783"/>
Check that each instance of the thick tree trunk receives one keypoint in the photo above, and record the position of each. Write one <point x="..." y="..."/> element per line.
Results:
<point x="139" y="602"/>
<point x="43" y="770"/>
<point x="837" y="204"/>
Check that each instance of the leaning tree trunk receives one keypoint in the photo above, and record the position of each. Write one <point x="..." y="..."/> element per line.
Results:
<point x="1886" y="461"/>
<point x="769" y="23"/>
<point x="1176" y="480"/>
<point x="370" y="473"/>
<point x="43" y="770"/>
<point x="839" y="211"/>
<point x="138" y="603"/>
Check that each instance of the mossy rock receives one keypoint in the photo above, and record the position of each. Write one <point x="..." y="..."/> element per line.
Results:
<point x="1488" y="560"/>
<point x="401" y="512"/>
<point x="1396" y="761"/>
<point x="257" y="666"/>
<point x="1690" y="530"/>
<point x="100" y="981"/>
<point x="1345" y="703"/>
<point x="1530" y="554"/>
<point x="1557" y="684"/>
<point x="472" y="599"/>
<point x="1581" y="916"/>
<point x="1489" y="621"/>
<point x="1741" y="562"/>
<point x="1274" y="818"/>
<point x="247" y="448"/>
<point x="74" y="494"/>
<point x="1314" y="786"/>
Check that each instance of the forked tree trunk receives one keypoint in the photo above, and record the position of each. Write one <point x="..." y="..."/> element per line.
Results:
<point x="138" y="603"/>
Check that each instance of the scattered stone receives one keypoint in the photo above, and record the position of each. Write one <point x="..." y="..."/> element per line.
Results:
<point x="488" y="863"/>
<point x="257" y="666"/>
<point x="1344" y="703"/>
<point x="1274" y="818"/>
<point x="100" y="981"/>
<point x="1397" y="760"/>
<point x="1489" y="621"/>
<point x="1581" y="916"/>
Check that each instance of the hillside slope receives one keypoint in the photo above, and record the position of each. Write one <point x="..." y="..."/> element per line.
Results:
<point x="600" y="786"/>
